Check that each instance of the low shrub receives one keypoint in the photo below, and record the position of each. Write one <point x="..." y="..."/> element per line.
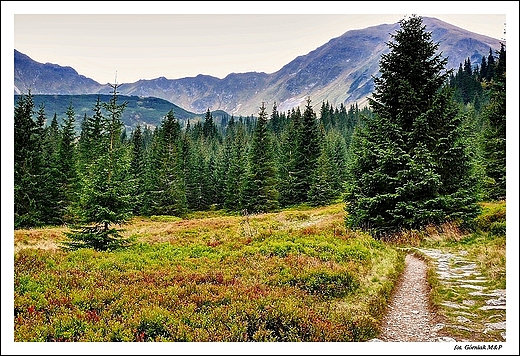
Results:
<point x="165" y="218"/>
<point x="493" y="218"/>
<point x="325" y="282"/>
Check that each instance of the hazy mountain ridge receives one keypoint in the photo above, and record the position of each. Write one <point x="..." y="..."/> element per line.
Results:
<point x="145" y="111"/>
<point x="49" y="78"/>
<point x="340" y="71"/>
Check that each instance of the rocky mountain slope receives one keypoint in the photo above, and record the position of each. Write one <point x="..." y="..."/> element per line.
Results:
<point x="339" y="71"/>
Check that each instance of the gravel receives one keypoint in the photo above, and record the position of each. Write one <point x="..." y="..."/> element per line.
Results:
<point x="409" y="318"/>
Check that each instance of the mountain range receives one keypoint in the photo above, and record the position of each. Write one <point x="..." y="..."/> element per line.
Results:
<point x="340" y="71"/>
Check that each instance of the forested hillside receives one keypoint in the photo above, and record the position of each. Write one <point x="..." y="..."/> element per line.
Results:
<point x="144" y="111"/>
<point x="101" y="174"/>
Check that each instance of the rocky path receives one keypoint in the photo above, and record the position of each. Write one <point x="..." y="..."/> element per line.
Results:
<point x="479" y="310"/>
<point x="410" y="319"/>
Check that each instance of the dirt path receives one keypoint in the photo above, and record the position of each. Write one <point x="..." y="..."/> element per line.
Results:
<point x="409" y="318"/>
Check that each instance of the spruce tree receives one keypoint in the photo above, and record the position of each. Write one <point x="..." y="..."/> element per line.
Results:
<point x="151" y="183"/>
<point x="50" y="181"/>
<point x="91" y="131"/>
<point x="209" y="128"/>
<point x="307" y="152"/>
<point x="322" y="189"/>
<point x="260" y="194"/>
<point x="237" y="168"/>
<point x="410" y="167"/>
<point x="275" y="125"/>
<point x="67" y="165"/>
<point x="169" y="189"/>
<point x="491" y="66"/>
<point x="493" y="138"/>
<point x="483" y="69"/>
<point x="105" y="195"/>
<point x="189" y="169"/>
<point x="336" y="149"/>
<point x="137" y="170"/>
<point x="24" y="149"/>
<point x="288" y="158"/>
<point x="45" y="172"/>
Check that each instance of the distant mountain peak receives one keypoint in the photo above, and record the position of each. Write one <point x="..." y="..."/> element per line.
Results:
<point x="339" y="72"/>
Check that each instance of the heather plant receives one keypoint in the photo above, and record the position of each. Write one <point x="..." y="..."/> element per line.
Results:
<point x="295" y="279"/>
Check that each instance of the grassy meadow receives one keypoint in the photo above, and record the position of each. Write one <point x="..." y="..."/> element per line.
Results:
<point x="294" y="275"/>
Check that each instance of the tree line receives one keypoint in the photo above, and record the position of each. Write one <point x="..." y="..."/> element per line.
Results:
<point x="411" y="158"/>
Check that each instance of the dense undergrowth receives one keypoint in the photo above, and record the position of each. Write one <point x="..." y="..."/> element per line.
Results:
<point x="296" y="275"/>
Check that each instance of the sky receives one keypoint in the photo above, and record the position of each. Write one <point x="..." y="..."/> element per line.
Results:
<point x="182" y="42"/>
<point x="130" y="40"/>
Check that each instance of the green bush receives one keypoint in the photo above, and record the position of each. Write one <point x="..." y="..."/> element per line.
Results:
<point x="497" y="228"/>
<point x="153" y="325"/>
<point x="326" y="283"/>
<point x="493" y="219"/>
<point x="165" y="218"/>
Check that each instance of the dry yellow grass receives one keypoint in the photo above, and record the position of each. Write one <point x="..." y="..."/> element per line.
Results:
<point x="44" y="238"/>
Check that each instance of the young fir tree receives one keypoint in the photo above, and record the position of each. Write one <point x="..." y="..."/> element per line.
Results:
<point x="105" y="195"/>
<point x="409" y="166"/>
<point x="260" y="194"/>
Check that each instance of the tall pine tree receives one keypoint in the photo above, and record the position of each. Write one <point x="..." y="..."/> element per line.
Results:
<point x="237" y="167"/>
<point x="137" y="170"/>
<point x="25" y="209"/>
<point x="307" y="152"/>
<point x="168" y="190"/>
<point x="494" y="133"/>
<point x="67" y="166"/>
<point x="105" y="195"/>
<point x="409" y="166"/>
<point x="288" y="158"/>
<point x="260" y="193"/>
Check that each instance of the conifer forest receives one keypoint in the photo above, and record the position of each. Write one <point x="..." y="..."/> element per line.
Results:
<point x="427" y="148"/>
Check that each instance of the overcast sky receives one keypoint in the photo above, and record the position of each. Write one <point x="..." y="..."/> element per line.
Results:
<point x="225" y="39"/>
